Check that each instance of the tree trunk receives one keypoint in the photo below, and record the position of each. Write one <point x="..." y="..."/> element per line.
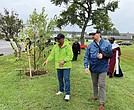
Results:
<point x="35" y="67"/>
<point x="34" y="58"/>
<point x="29" y="60"/>
<point x="83" y="31"/>
<point x="39" y="55"/>
<point x="82" y="39"/>
<point x="20" y="51"/>
<point x="13" y="47"/>
<point x="19" y="55"/>
<point x="89" y="4"/>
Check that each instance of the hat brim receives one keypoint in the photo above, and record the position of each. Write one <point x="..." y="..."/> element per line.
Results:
<point x="59" y="37"/>
<point x="92" y="33"/>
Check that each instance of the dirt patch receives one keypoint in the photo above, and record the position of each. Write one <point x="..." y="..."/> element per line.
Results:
<point x="36" y="72"/>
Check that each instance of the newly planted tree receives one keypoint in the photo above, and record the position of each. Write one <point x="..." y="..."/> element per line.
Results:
<point x="38" y="28"/>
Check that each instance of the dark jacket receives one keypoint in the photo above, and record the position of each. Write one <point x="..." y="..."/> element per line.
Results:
<point x="76" y="47"/>
<point x="97" y="65"/>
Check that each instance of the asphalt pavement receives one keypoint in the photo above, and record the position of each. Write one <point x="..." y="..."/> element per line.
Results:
<point x="5" y="48"/>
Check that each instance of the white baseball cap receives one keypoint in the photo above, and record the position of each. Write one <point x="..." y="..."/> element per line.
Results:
<point x="94" y="31"/>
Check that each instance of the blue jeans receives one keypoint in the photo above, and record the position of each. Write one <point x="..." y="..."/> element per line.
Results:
<point x="64" y="79"/>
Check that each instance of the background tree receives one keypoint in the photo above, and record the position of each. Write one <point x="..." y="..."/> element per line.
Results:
<point x="86" y="13"/>
<point x="10" y="26"/>
<point x="133" y="39"/>
<point x="38" y="28"/>
<point x="113" y="31"/>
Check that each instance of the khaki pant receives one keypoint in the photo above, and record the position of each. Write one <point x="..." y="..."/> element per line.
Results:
<point x="99" y="80"/>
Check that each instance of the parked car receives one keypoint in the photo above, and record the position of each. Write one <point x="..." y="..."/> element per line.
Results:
<point x="127" y="43"/>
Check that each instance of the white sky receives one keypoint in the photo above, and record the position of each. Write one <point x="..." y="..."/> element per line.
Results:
<point x="122" y="18"/>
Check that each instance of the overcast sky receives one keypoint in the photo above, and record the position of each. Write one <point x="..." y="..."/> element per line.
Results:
<point x="123" y="18"/>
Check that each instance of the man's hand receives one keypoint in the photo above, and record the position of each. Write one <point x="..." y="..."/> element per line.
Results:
<point x="45" y="63"/>
<point x="100" y="55"/>
<point x="87" y="71"/>
<point x="61" y="63"/>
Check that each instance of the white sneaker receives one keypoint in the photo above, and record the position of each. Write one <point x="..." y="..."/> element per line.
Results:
<point x="59" y="92"/>
<point x="67" y="97"/>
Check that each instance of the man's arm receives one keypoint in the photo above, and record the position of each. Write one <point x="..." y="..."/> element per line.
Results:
<point x="86" y="58"/>
<point x="50" y="57"/>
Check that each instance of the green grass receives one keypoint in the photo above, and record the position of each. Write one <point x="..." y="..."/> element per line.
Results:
<point x="19" y="92"/>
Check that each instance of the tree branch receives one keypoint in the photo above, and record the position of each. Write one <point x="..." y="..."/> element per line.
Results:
<point x="75" y="1"/>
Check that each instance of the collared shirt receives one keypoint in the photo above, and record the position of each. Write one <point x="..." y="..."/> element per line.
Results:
<point x="60" y="45"/>
<point x="99" y="42"/>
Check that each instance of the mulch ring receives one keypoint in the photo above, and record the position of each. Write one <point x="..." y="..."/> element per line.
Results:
<point x="36" y="72"/>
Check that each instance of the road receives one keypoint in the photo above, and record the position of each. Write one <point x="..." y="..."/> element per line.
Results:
<point x="5" y="48"/>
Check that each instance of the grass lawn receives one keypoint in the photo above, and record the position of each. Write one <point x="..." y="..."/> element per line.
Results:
<point x="19" y="92"/>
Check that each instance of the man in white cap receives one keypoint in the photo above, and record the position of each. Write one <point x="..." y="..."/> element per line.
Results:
<point x="98" y="65"/>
